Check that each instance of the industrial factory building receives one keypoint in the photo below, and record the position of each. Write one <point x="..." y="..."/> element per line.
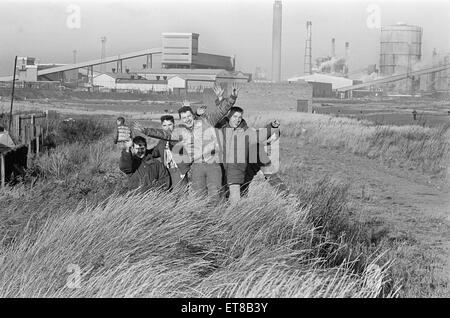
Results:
<point x="400" y="67"/>
<point x="183" y="68"/>
<point x="167" y="80"/>
<point x="180" y="50"/>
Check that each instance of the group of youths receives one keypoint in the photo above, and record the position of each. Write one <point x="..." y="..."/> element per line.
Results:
<point x="214" y="153"/>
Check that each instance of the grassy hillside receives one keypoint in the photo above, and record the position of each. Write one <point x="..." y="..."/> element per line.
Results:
<point x="71" y="212"/>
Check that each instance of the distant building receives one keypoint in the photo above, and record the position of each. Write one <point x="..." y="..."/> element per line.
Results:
<point x="322" y="89"/>
<point x="129" y="82"/>
<point x="196" y="80"/>
<point x="335" y="81"/>
<point x="180" y="50"/>
<point x="180" y="58"/>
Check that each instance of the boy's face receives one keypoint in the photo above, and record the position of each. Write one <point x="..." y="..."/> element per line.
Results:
<point x="187" y="118"/>
<point x="119" y="123"/>
<point x="139" y="149"/>
<point x="167" y="125"/>
<point x="235" y="119"/>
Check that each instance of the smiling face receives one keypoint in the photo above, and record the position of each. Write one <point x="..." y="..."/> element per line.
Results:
<point x="187" y="118"/>
<point x="235" y="119"/>
<point x="139" y="149"/>
<point x="167" y="125"/>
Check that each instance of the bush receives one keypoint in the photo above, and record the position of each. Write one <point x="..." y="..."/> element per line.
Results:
<point x="83" y="130"/>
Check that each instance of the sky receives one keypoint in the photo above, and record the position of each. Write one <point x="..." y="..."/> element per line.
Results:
<point x="51" y="30"/>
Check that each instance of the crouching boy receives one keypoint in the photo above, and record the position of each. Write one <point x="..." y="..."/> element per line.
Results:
<point x="143" y="171"/>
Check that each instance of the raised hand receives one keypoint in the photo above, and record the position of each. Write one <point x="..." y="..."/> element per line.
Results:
<point x="235" y="89"/>
<point x="218" y="91"/>
<point x="275" y="123"/>
<point x="137" y="126"/>
<point x="128" y="144"/>
<point x="201" y="110"/>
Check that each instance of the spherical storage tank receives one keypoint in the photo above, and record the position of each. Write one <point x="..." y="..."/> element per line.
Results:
<point x="400" y="48"/>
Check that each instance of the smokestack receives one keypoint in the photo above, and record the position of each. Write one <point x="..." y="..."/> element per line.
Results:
<point x="276" y="42"/>
<point x="308" y="49"/>
<point x="333" y="48"/>
<point x="347" y="56"/>
<point x="103" y="66"/>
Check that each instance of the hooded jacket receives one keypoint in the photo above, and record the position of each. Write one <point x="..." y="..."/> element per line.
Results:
<point x="243" y="146"/>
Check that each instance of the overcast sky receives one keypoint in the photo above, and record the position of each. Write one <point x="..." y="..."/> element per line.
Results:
<point x="227" y="27"/>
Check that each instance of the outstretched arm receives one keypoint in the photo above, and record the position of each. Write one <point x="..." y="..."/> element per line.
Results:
<point x="157" y="133"/>
<point x="223" y="104"/>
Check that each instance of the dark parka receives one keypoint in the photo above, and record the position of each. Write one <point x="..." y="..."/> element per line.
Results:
<point x="145" y="173"/>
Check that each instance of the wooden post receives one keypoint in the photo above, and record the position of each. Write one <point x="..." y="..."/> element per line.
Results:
<point x="38" y="134"/>
<point x="22" y="132"/>
<point x="46" y="122"/>
<point x="2" y="170"/>
<point x="16" y="132"/>
<point x="32" y="130"/>
<point x="29" y="143"/>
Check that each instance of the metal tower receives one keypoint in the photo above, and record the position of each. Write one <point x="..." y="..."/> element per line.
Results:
<point x="308" y="49"/>
<point x="103" y="66"/>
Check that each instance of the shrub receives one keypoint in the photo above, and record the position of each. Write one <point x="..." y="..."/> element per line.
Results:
<point x="83" y="130"/>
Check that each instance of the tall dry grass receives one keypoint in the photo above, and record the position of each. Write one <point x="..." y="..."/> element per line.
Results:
<point x="155" y="245"/>
<point x="413" y="147"/>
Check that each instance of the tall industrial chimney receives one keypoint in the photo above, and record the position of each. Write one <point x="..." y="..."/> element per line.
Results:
<point x="333" y="48"/>
<point x="103" y="66"/>
<point x="308" y="49"/>
<point x="276" y="42"/>
<point x="347" y="56"/>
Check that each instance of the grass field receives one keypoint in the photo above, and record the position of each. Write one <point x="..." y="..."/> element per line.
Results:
<point x="336" y="235"/>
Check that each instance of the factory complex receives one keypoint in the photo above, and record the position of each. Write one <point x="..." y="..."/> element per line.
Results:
<point x="181" y="68"/>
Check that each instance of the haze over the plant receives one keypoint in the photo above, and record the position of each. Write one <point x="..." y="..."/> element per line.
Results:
<point x="241" y="27"/>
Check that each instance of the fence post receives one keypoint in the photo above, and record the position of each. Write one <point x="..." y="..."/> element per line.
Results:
<point x="2" y="170"/>
<point x="38" y="134"/>
<point x="22" y="133"/>
<point x="28" y="141"/>
<point x="17" y="128"/>
<point x="46" y="123"/>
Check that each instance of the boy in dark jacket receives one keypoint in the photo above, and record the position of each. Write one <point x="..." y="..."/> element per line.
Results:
<point x="163" y="150"/>
<point x="141" y="168"/>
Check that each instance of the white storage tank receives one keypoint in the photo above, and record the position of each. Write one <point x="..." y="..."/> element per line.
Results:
<point x="400" y="48"/>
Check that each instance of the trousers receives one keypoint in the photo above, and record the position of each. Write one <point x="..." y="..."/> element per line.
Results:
<point x="207" y="179"/>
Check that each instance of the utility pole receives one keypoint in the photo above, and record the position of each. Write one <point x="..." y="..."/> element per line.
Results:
<point x="74" y="56"/>
<point x="12" y="95"/>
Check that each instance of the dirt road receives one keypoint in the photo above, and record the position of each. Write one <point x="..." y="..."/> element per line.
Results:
<point x="410" y="204"/>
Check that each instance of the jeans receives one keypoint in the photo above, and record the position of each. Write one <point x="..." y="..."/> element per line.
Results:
<point x="207" y="179"/>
